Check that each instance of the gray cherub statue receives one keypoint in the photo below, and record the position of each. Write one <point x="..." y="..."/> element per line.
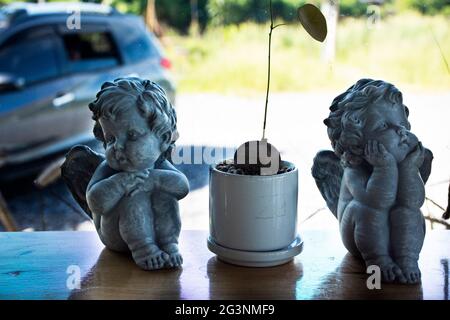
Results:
<point x="373" y="182"/>
<point x="132" y="193"/>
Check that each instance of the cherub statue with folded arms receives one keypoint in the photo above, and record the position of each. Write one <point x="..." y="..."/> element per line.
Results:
<point x="133" y="193"/>
<point x="374" y="180"/>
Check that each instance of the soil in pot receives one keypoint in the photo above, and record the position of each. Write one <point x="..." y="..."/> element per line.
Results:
<point x="255" y="158"/>
<point x="250" y="170"/>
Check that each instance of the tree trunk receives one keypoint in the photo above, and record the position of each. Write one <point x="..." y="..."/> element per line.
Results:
<point x="151" y="19"/>
<point x="194" y="28"/>
<point x="330" y="9"/>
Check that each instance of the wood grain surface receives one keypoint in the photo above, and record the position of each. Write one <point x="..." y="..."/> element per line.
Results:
<point x="37" y="266"/>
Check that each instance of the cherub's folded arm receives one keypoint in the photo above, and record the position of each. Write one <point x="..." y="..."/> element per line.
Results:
<point x="104" y="190"/>
<point x="377" y="190"/>
<point x="170" y="180"/>
<point x="411" y="191"/>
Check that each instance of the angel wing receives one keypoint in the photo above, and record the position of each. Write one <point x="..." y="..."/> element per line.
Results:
<point x="425" y="169"/>
<point x="446" y="214"/>
<point x="77" y="171"/>
<point x="327" y="171"/>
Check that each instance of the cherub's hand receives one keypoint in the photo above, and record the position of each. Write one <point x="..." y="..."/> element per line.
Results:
<point x="146" y="185"/>
<point x="376" y="154"/>
<point x="131" y="181"/>
<point x="415" y="158"/>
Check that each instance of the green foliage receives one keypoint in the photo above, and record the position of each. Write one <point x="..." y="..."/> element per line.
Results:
<point x="431" y="6"/>
<point x="427" y="7"/>
<point x="353" y="8"/>
<point x="225" y="12"/>
<point x="177" y="13"/>
<point x="130" y="6"/>
<point x="4" y="2"/>
<point x="233" y="59"/>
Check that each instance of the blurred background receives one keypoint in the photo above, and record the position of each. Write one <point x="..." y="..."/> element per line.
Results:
<point x="211" y="58"/>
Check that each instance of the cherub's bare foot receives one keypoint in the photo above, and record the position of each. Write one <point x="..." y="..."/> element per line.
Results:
<point x="390" y="271"/>
<point x="150" y="257"/>
<point x="410" y="269"/>
<point x="175" y="259"/>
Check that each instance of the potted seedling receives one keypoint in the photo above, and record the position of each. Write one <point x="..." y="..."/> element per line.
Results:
<point x="253" y="197"/>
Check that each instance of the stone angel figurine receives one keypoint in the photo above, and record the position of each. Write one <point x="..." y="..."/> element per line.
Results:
<point x="132" y="192"/>
<point x="373" y="180"/>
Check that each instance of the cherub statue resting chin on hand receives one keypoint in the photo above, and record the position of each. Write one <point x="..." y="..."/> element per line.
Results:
<point x="373" y="182"/>
<point x="132" y="195"/>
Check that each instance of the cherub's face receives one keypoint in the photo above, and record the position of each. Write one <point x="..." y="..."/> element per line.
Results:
<point x="130" y="144"/>
<point x="387" y="123"/>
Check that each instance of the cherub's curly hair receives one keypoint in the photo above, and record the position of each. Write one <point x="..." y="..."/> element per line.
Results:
<point x="148" y="97"/>
<point x="346" y="119"/>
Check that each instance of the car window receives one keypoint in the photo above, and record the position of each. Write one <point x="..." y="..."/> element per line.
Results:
<point x="31" y="54"/>
<point x="89" y="51"/>
<point x="139" y="47"/>
<point x="136" y="43"/>
<point x="3" y="20"/>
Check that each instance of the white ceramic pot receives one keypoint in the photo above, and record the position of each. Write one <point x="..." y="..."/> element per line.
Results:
<point x="253" y="213"/>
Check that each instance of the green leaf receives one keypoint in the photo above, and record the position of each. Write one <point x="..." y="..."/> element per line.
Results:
<point x="313" y="21"/>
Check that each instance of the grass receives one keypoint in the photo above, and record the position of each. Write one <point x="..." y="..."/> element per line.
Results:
<point x="401" y="49"/>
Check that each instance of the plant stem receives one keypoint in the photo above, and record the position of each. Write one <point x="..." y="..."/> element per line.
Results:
<point x="268" y="69"/>
<point x="440" y="50"/>
<point x="281" y="24"/>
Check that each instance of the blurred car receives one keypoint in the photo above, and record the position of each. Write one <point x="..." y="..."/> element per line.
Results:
<point x="53" y="59"/>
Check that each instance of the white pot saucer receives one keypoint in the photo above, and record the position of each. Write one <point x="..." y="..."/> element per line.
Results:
<point x="256" y="258"/>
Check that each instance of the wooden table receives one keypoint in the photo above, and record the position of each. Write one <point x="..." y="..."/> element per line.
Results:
<point x="35" y="266"/>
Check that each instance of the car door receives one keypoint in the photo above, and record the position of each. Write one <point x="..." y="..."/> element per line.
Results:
<point x="34" y="115"/>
